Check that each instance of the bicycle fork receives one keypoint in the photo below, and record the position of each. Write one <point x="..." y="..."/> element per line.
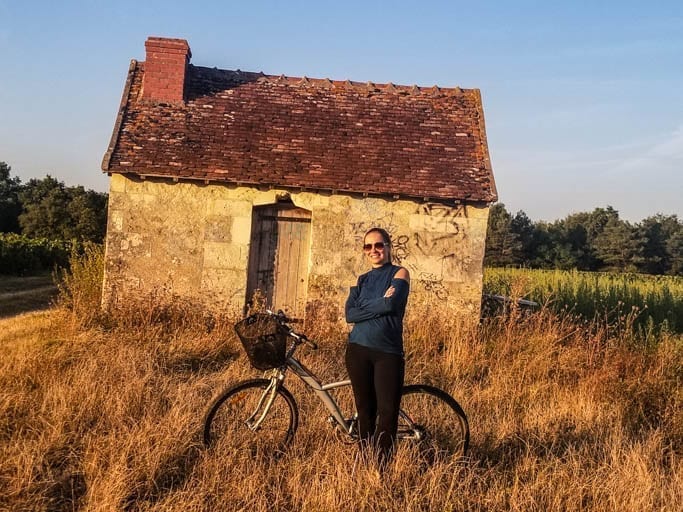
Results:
<point x="264" y="404"/>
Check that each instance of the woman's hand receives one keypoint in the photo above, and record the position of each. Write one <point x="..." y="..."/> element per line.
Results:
<point x="390" y="291"/>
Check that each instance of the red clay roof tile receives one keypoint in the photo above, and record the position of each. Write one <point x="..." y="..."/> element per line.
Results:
<point x="249" y="128"/>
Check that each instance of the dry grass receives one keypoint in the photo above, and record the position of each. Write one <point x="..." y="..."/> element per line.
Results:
<point x="563" y="417"/>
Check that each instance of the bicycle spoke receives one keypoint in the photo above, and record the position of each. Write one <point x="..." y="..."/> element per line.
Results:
<point x="430" y="421"/>
<point x="237" y="422"/>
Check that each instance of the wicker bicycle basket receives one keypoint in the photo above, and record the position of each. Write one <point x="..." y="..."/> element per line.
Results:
<point x="264" y="340"/>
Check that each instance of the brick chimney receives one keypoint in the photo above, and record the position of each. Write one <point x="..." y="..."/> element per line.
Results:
<point x="165" y="68"/>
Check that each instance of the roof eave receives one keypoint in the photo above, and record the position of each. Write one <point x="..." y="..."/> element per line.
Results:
<point x="106" y="160"/>
<point x="485" y="149"/>
<point x="415" y="197"/>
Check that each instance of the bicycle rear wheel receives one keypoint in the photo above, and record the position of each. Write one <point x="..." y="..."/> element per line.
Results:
<point x="229" y="422"/>
<point x="433" y="419"/>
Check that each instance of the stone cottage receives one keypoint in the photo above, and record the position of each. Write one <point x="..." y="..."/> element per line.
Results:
<point x="226" y="182"/>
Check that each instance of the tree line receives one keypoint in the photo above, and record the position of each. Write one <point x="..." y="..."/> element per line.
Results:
<point x="47" y="208"/>
<point x="593" y="241"/>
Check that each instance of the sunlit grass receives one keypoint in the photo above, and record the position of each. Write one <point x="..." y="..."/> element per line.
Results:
<point x="565" y="415"/>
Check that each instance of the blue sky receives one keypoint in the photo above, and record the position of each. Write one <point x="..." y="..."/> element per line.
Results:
<point x="583" y="100"/>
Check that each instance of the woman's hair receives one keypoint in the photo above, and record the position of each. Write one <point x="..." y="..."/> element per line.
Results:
<point x="385" y="236"/>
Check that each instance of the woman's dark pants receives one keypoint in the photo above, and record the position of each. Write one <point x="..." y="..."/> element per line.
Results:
<point x="377" y="381"/>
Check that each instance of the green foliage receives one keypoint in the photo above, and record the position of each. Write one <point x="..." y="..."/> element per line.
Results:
<point x="597" y="240"/>
<point x="623" y="300"/>
<point x="502" y="241"/>
<point x="662" y="244"/>
<point x="618" y="246"/>
<point x="47" y="208"/>
<point x="21" y="255"/>
<point x="53" y="210"/>
<point x="10" y="207"/>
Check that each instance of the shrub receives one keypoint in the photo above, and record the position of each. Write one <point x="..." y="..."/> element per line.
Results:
<point x="21" y="255"/>
<point x="80" y="286"/>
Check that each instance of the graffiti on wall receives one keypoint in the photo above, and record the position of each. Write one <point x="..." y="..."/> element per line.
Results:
<point x="442" y="210"/>
<point x="434" y="244"/>
<point x="433" y="284"/>
<point x="386" y="222"/>
<point x="399" y="248"/>
<point x="433" y="248"/>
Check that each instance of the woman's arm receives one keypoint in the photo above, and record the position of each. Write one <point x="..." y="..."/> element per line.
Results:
<point x="355" y="313"/>
<point x="393" y="298"/>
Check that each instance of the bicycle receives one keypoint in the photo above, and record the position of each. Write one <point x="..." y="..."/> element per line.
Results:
<point x="262" y="416"/>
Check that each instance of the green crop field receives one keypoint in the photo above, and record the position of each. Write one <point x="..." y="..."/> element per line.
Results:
<point x="641" y="301"/>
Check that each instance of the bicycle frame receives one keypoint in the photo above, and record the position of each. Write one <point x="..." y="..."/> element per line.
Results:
<point x="268" y="397"/>
<point x="310" y="379"/>
<point x="322" y="391"/>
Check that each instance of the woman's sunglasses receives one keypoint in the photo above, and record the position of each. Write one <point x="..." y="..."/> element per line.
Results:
<point x="377" y="245"/>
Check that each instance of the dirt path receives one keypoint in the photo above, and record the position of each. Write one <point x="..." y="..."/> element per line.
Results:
<point x="26" y="293"/>
<point x="19" y="295"/>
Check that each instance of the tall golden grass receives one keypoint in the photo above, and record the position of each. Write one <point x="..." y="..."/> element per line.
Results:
<point x="107" y="416"/>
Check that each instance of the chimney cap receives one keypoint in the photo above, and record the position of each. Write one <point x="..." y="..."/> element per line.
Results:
<point x="169" y="43"/>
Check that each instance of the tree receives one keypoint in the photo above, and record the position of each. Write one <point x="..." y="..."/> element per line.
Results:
<point x="10" y="206"/>
<point x="527" y="234"/>
<point x="661" y="244"/>
<point x="503" y="246"/>
<point x="674" y="248"/>
<point x="596" y="240"/>
<point x="44" y="214"/>
<point x="543" y="254"/>
<point x="52" y="210"/>
<point x="88" y="211"/>
<point x="568" y="247"/>
<point x="573" y="239"/>
<point x="653" y="240"/>
<point x="619" y="246"/>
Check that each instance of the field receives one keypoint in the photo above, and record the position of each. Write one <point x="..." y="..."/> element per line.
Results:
<point x="104" y="413"/>
<point x="628" y="302"/>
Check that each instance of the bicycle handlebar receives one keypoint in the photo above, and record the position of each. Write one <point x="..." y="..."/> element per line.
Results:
<point x="302" y="338"/>
<point x="284" y="320"/>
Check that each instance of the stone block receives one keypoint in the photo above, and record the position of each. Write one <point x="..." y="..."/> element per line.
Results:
<point x="227" y="207"/>
<point x="224" y="256"/>
<point x="241" y="230"/>
<point x="115" y="220"/>
<point x="225" y="284"/>
<point x="218" y="229"/>
<point x="117" y="183"/>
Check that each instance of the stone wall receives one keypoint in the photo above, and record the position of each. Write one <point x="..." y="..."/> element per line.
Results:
<point x="192" y="240"/>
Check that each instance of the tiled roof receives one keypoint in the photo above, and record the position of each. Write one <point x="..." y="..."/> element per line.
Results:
<point x="250" y="128"/>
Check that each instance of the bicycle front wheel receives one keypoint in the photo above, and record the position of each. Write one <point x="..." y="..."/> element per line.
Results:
<point x="433" y="419"/>
<point x="240" y="419"/>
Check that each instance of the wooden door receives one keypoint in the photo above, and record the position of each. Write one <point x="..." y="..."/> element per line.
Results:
<point x="278" y="257"/>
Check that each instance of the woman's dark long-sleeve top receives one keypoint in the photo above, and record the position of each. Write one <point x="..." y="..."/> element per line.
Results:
<point x="378" y="320"/>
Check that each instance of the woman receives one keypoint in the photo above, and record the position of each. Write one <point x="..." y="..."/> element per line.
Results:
<point x="374" y="355"/>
